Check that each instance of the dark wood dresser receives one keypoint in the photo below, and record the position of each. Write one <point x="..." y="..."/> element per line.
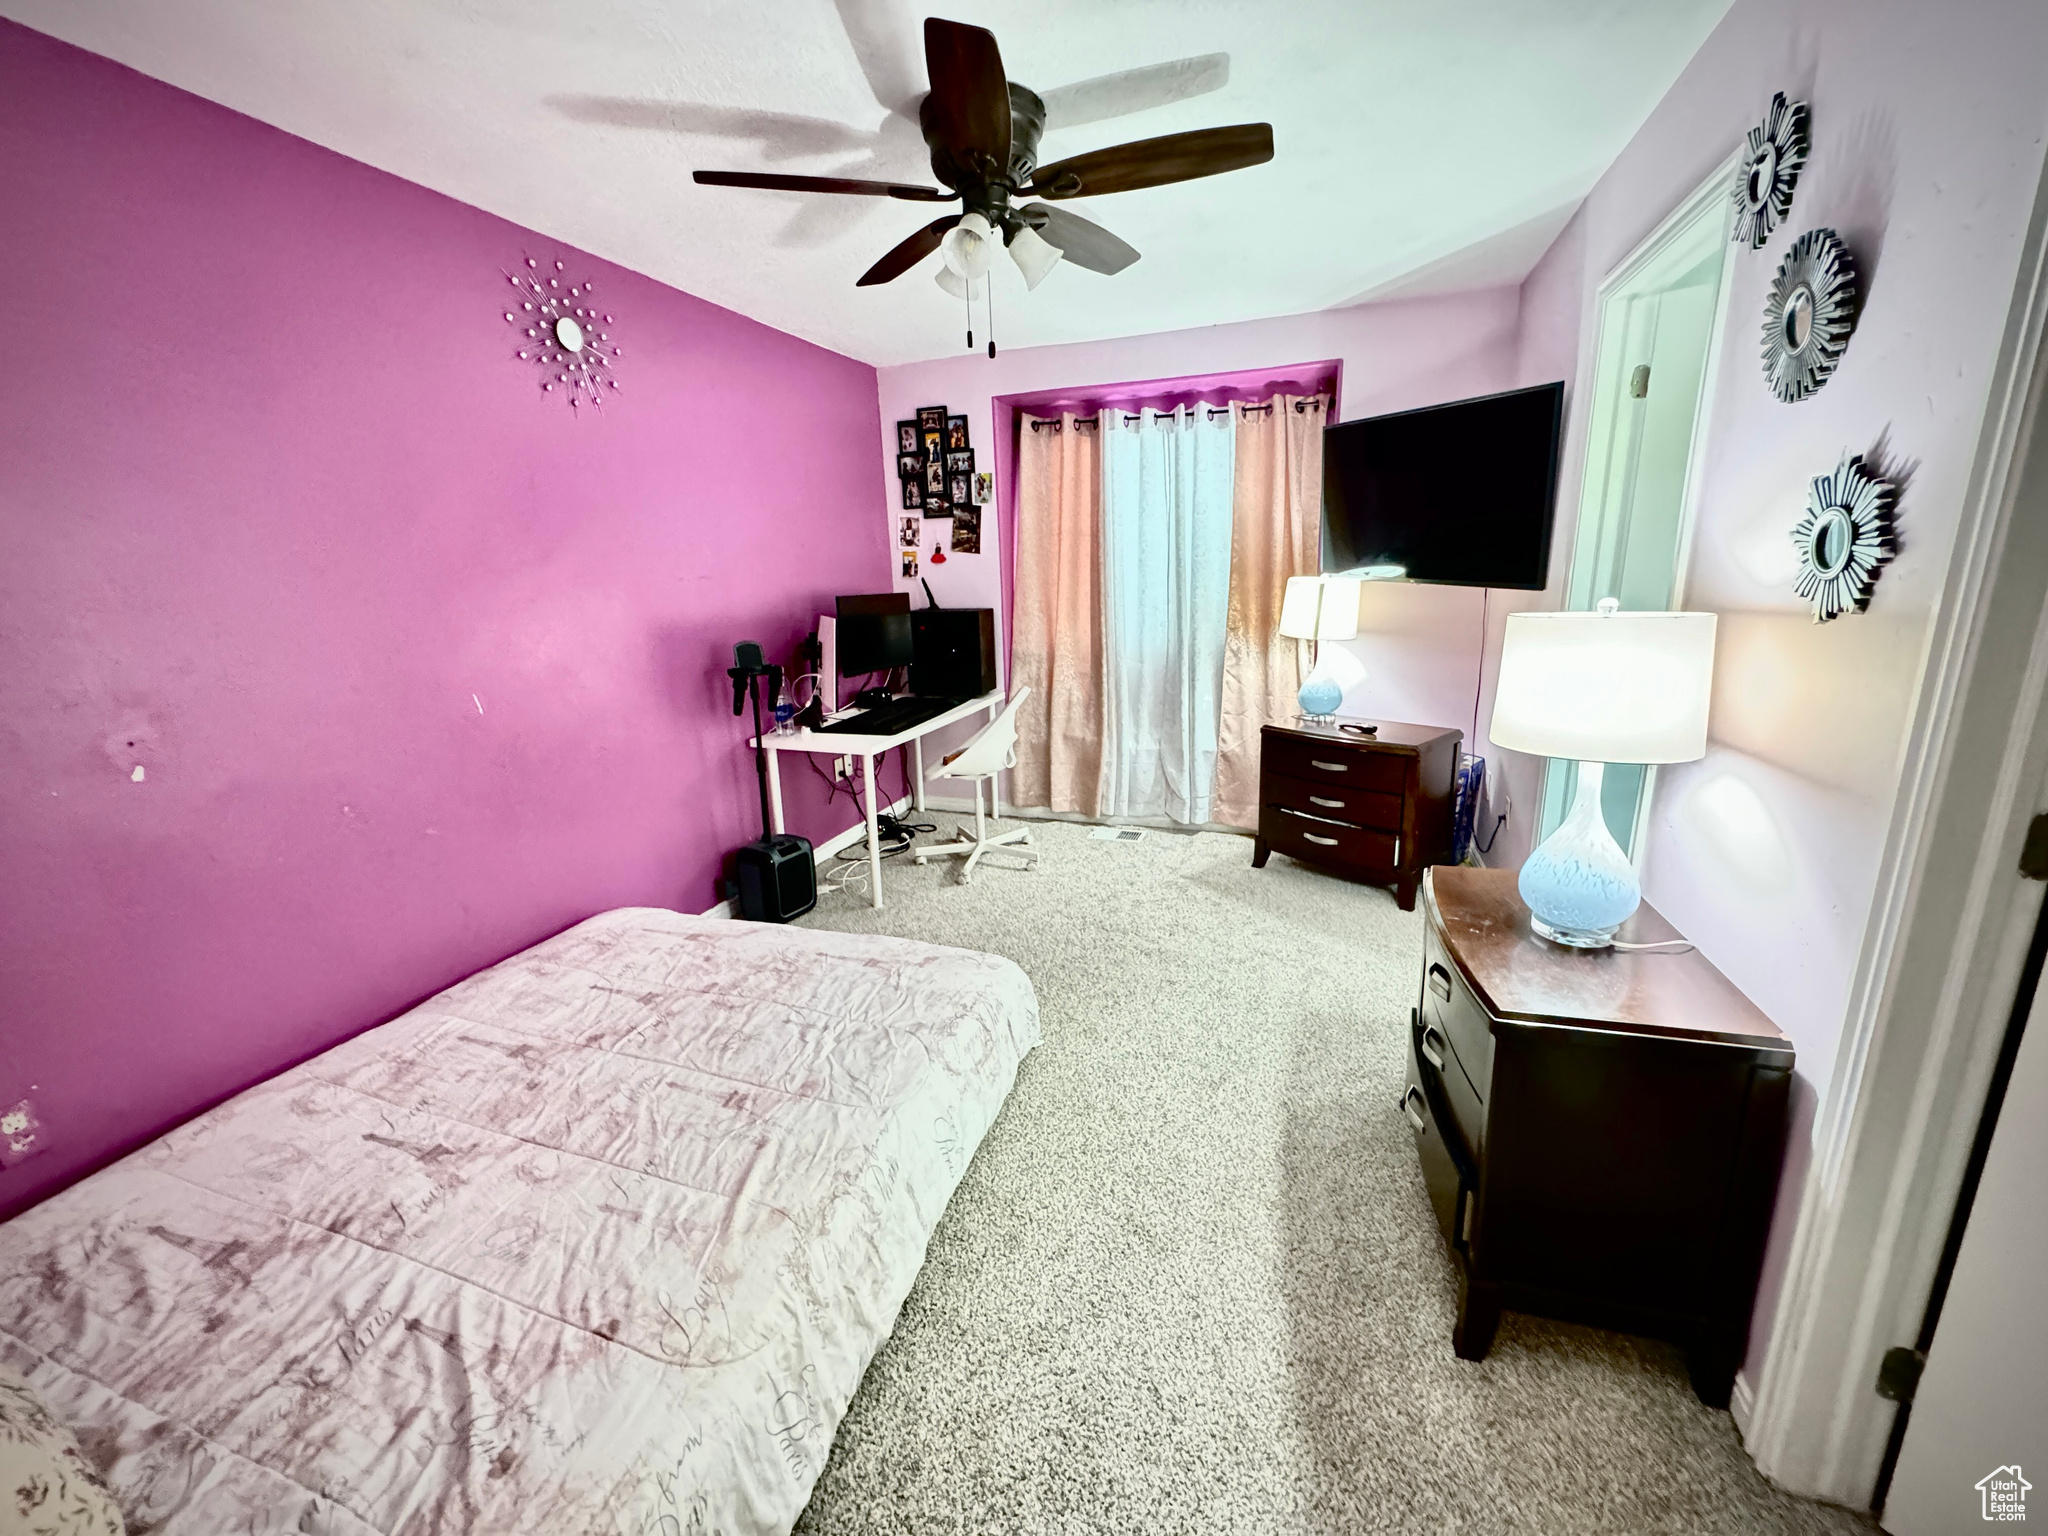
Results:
<point x="1375" y="807"/>
<point x="1600" y="1131"/>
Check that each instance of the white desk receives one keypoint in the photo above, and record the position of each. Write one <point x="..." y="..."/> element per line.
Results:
<point x="867" y="749"/>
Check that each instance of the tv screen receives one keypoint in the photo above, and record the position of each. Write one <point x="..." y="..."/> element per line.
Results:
<point x="1462" y="494"/>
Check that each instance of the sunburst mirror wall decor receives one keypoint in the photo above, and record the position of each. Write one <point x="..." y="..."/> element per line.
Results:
<point x="564" y="333"/>
<point x="1844" y="538"/>
<point x="1769" y="171"/>
<point x="1809" y="315"/>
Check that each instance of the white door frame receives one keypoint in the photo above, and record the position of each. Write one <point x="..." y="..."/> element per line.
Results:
<point x="1940" y="959"/>
<point x="1708" y="196"/>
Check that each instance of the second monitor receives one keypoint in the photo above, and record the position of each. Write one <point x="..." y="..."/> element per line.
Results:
<point x="873" y="633"/>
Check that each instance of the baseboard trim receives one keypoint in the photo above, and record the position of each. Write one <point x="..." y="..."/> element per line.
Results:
<point x="822" y="851"/>
<point x="1742" y="1402"/>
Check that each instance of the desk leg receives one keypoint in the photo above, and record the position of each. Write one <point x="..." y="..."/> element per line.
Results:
<point x="917" y="773"/>
<point x="775" y="789"/>
<point x="867" y="771"/>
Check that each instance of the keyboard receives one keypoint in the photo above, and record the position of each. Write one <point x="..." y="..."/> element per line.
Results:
<point x="887" y="719"/>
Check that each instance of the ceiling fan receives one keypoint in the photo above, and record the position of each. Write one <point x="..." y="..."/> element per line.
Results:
<point x="983" y="129"/>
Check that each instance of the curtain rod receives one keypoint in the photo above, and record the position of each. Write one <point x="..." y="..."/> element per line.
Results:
<point x="1301" y="407"/>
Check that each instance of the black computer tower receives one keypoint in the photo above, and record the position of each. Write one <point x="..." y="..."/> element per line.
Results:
<point x="778" y="878"/>
<point x="953" y="652"/>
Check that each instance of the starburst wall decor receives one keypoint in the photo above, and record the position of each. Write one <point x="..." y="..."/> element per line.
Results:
<point x="1771" y="161"/>
<point x="1809" y="315"/>
<point x="564" y="334"/>
<point x="1844" y="538"/>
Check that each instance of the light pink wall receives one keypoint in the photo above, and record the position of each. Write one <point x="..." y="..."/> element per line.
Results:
<point x="1928" y="126"/>
<point x="1420" y="645"/>
<point x="419" y="667"/>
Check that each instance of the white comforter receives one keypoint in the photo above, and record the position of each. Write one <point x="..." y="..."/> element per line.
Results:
<point x="600" y="1240"/>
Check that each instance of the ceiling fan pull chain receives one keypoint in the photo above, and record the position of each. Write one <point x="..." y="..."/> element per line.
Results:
<point x="991" y="316"/>
<point x="969" y="302"/>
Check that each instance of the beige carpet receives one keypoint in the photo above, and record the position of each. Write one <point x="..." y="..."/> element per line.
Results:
<point x="1191" y="1283"/>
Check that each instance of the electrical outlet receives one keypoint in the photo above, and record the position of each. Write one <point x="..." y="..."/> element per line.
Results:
<point x="842" y="767"/>
<point x="21" y="1133"/>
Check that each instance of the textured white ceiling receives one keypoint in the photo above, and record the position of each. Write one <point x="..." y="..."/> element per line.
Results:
<point x="1406" y="132"/>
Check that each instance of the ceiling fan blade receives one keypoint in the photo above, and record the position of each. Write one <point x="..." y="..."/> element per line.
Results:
<point x="1081" y="241"/>
<point x="1135" y="90"/>
<point x="774" y="183"/>
<point x="909" y="253"/>
<point x="967" y="113"/>
<point x="1156" y="162"/>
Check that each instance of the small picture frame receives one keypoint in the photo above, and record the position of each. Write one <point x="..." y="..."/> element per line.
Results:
<point x="984" y="488"/>
<point x="932" y="418"/>
<point x="956" y="433"/>
<point x="958" y="492"/>
<point x="966" y="530"/>
<point x="934" y="444"/>
<point x="909" y="466"/>
<point x="909" y="531"/>
<point x="934" y="483"/>
<point x="909" y="565"/>
<point x="960" y="462"/>
<point x="906" y="436"/>
<point x="913" y="495"/>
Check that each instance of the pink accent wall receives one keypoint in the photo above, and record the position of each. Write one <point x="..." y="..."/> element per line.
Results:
<point x="418" y="666"/>
<point x="1928" y="130"/>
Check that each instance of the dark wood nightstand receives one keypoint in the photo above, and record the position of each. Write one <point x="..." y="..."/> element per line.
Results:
<point x="1376" y="807"/>
<point x="1600" y="1131"/>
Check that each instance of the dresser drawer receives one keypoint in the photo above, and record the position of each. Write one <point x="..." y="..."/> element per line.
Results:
<point x="1468" y="1112"/>
<point x="1334" y="801"/>
<point x="1319" y="762"/>
<point x="1328" y="842"/>
<point x="1449" y="1006"/>
<point x="1447" y="1173"/>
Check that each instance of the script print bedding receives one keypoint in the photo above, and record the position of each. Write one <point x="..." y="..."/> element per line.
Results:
<point x="597" y="1241"/>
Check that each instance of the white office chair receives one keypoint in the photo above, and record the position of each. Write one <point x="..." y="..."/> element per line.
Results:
<point x="993" y="749"/>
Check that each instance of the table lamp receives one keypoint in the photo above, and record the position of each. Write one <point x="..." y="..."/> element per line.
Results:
<point x="1318" y="608"/>
<point x="1604" y="687"/>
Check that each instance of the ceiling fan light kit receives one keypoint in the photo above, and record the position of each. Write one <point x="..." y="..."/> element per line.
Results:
<point x="983" y="131"/>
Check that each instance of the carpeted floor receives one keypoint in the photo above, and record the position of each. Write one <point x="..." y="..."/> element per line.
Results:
<point x="1191" y="1283"/>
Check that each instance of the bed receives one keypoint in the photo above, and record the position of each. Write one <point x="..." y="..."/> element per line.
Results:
<point x="599" y="1240"/>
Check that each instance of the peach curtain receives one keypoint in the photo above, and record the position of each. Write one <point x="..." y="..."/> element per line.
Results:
<point x="1057" y="648"/>
<point x="1276" y="532"/>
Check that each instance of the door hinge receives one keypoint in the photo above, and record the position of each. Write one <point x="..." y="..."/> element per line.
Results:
<point x="1898" y="1374"/>
<point x="2034" y="851"/>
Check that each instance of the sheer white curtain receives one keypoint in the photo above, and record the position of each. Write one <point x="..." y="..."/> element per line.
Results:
<point x="1167" y="485"/>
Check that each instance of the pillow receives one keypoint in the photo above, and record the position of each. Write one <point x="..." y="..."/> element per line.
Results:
<point x="47" y="1488"/>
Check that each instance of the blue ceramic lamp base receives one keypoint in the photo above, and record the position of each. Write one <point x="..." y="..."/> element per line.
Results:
<point x="1579" y="885"/>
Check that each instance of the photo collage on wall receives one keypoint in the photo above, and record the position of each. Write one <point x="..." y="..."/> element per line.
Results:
<point x="935" y="466"/>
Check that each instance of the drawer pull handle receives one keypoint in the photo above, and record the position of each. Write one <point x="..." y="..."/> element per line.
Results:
<point x="1317" y="762"/>
<point x="1440" y="981"/>
<point x="1433" y="1054"/>
<point x="1327" y="842"/>
<point x="1410" y="1103"/>
<point x="1335" y="805"/>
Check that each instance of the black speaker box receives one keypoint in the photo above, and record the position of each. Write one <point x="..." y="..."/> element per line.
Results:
<point x="778" y="878"/>
<point x="953" y="652"/>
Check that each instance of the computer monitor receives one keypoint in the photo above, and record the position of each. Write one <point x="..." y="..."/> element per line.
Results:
<point x="873" y="633"/>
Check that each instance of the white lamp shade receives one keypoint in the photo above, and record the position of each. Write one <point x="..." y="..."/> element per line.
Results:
<point x="1336" y="618"/>
<point x="1034" y="254"/>
<point x="970" y="246"/>
<point x="1605" y="687"/>
<point x="957" y="285"/>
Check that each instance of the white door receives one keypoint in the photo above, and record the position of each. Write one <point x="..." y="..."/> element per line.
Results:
<point x="1979" y="1425"/>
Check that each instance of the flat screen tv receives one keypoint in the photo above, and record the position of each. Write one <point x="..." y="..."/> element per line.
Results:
<point x="1462" y="494"/>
